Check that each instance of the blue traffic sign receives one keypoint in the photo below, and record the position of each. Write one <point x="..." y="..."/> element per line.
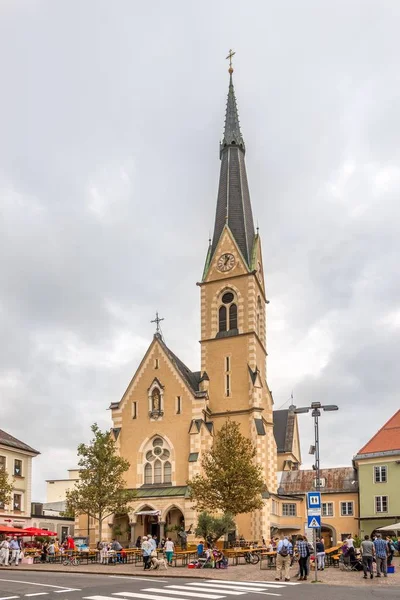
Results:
<point x="313" y="499"/>
<point x="314" y="522"/>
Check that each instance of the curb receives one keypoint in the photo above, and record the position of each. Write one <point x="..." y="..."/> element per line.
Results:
<point x="141" y="575"/>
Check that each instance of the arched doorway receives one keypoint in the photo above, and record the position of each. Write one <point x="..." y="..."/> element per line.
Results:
<point x="328" y="534"/>
<point x="147" y="524"/>
<point x="174" y="522"/>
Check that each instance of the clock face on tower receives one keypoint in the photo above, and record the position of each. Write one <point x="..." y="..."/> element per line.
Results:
<point x="226" y="262"/>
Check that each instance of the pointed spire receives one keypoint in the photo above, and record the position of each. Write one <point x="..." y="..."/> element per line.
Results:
<point x="233" y="202"/>
<point x="232" y="133"/>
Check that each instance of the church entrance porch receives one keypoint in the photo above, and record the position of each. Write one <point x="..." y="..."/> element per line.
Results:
<point x="174" y="523"/>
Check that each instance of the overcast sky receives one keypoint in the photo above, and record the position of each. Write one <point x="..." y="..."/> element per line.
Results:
<point x="110" y="119"/>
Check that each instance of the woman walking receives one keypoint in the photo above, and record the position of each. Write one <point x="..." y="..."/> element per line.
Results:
<point x="169" y="551"/>
<point x="320" y="554"/>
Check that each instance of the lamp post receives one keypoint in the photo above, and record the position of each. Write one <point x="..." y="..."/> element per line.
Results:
<point x="315" y="409"/>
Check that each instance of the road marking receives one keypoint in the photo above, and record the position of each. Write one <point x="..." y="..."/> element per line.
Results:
<point x="61" y="587"/>
<point x="37" y="594"/>
<point x="187" y="593"/>
<point x="284" y="583"/>
<point x="255" y="586"/>
<point x="140" y="578"/>
<point x="206" y="587"/>
<point x="9" y="597"/>
<point x="67" y="590"/>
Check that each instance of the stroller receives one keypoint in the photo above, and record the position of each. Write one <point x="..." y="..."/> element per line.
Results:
<point x="349" y="562"/>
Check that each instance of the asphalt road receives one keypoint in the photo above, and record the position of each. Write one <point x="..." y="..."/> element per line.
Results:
<point x="18" y="585"/>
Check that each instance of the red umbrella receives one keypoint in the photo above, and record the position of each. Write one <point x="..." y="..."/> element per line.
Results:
<point x="41" y="532"/>
<point x="11" y="530"/>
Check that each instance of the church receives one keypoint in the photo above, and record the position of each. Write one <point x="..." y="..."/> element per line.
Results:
<point x="167" y="418"/>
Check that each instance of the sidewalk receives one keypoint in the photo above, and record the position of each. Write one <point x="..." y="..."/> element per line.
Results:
<point x="330" y="576"/>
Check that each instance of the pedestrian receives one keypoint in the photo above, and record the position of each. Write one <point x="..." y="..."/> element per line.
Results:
<point x="5" y="552"/>
<point x="200" y="549"/>
<point x="103" y="553"/>
<point x="51" y="551"/>
<point x="391" y="549"/>
<point x="283" y="557"/>
<point x="320" y="554"/>
<point x="350" y="541"/>
<point x="14" y="550"/>
<point x="381" y="554"/>
<point x="153" y="542"/>
<point x="116" y="547"/>
<point x="367" y="553"/>
<point x="303" y="552"/>
<point x="139" y="542"/>
<point x="146" y="552"/>
<point x="169" y="551"/>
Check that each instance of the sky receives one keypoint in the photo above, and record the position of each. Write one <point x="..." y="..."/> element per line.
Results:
<point x="110" y="117"/>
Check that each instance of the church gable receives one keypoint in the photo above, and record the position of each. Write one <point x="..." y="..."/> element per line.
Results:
<point x="226" y="261"/>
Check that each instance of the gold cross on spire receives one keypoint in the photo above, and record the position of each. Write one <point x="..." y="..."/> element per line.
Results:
<point x="231" y="53"/>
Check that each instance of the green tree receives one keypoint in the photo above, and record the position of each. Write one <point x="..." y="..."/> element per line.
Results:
<point x="6" y="487"/>
<point x="100" y="491"/>
<point x="211" y="528"/>
<point x="231" y="481"/>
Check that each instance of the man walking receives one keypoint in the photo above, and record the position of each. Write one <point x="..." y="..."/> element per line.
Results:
<point x="381" y="553"/>
<point x="283" y="557"/>
<point x="367" y="553"/>
<point x="303" y="552"/>
<point x="14" y="549"/>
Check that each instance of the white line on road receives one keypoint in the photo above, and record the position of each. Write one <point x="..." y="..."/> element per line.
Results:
<point x="140" y="578"/>
<point x="9" y="597"/>
<point x="60" y="587"/>
<point x="278" y="582"/>
<point x="67" y="590"/>
<point x="37" y="594"/>
<point x="205" y="587"/>
<point x="187" y="593"/>
<point x="245" y="583"/>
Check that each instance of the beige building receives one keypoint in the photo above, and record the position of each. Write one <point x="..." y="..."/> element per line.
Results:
<point x="167" y="418"/>
<point x="16" y="459"/>
<point x="56" y="489"/>
<point x="339" y="497"/>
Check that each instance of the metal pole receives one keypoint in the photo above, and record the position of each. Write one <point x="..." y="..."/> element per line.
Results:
<point x="317" y="486"/>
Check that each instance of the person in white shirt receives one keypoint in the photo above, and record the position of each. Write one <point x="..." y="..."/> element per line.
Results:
<point x="5" y="552"/>
<point x="350" y="541"/>
<point x="169" y="550"/>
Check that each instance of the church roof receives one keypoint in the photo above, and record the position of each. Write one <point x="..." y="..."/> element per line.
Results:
<point x="284" y="427"/>
<point x="233" y="202"/>
<point x="8" y="440"/>
<point x="192" y="378"/>
<point x="387" y="439"/>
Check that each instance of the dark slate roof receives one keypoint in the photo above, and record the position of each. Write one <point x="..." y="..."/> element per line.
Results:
<point x="233" y="202"/>
<point x="8" y="440"/>
<point x="192" y="378"/>
<point x="338" y="479"/>
<point x="284" y="422"/>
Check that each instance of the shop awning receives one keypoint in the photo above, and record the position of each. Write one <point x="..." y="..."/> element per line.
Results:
<point x="153" y="513"/>
<point x="395" y="527"/>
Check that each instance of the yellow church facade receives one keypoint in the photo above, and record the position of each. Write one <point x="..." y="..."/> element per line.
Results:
<point x="169" y="414"/>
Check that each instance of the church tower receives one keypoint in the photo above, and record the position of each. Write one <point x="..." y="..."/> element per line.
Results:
<point x="233" y="315"/>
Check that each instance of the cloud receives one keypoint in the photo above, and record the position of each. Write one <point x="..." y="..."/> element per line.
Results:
<point x="110" y="125"/>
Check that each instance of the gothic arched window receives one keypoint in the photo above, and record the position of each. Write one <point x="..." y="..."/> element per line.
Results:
<point x="158" y="468"/>
<point x="167" y="472"/>
<point x="233" y="316"/>
<point x="148" y="473"/>
<point x="227" y="313"/>
<point x="222" y="318"/>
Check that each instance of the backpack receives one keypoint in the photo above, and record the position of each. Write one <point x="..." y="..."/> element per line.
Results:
<point x="284" y="551"/>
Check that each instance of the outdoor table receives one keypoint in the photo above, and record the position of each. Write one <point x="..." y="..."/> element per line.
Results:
<point x="269" y="558"/>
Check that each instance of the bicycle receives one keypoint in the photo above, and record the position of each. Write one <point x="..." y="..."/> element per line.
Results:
<point x="71" y="561"/>
<point x="251" y="559"/>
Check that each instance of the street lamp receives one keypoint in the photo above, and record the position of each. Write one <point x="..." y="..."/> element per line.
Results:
<point x="315" y="409"/>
